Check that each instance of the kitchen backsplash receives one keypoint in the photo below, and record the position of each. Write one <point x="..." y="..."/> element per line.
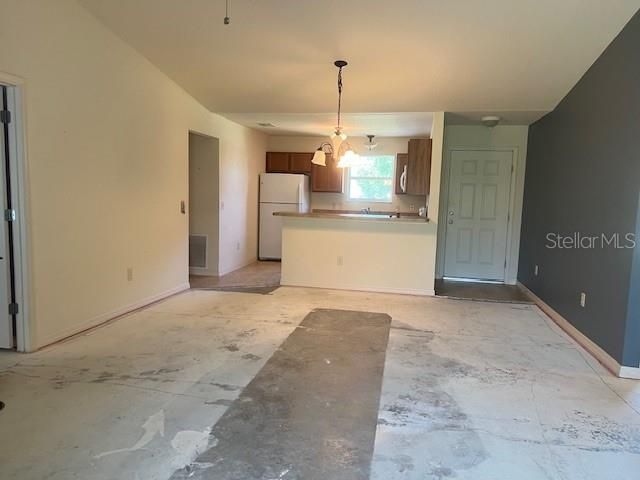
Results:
<point x="338" y="201"/>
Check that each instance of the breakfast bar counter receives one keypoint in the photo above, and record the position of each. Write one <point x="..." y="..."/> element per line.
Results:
<point x="367" y="217"/>
<point x="351" y="251"/>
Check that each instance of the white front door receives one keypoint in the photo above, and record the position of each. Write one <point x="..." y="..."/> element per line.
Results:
<point x="477" y="214"/>
<point x="6" y="321"/>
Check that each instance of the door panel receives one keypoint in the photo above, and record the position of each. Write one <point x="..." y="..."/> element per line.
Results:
<point x="300" y="162"/>
<point x="281" y="188"/>
<point x="477" y="214"/>
<point x="277" y="162"/>
<point x="6" y="321"/>
<point x="270" y="241"/>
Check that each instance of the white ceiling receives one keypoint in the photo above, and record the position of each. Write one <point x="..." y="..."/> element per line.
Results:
<point x="404" y="124"/>
<point x="276" y="56"/>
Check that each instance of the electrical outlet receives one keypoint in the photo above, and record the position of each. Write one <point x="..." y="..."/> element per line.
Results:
<point x="238" y="246"/>
<point x="412" y="208"/>
<point x="535" y="270"/>
<point x="340" y="260"/>
<point x="129" y="274"/>
<point x="583" y="299"/>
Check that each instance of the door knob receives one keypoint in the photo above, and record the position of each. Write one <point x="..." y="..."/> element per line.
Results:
<point x="450" y="212"/>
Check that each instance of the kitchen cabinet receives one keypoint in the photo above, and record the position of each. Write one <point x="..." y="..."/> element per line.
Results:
<point x="328" y="178"/>
<point x="300" y="162"/>
<point x="402" y="159"/>
<point x="288" y="162"/>
<point x="419" y="166"/>
<point x="277" y="162"/>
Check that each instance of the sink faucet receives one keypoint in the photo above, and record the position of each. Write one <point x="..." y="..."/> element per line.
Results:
<point x="366" y="211"/>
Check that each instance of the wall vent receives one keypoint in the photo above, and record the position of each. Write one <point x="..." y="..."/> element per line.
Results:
<point x="198" y="251"/>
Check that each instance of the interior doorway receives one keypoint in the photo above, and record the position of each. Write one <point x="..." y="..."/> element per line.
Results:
<point x="204" y="200"/>
<point x="478" y="214"/>
<point x="13" y="305"/>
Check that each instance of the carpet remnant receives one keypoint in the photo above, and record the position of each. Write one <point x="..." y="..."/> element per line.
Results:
<point x="311" y="411"/>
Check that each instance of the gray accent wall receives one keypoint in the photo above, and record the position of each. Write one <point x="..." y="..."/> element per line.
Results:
<point x="583" y="175"/>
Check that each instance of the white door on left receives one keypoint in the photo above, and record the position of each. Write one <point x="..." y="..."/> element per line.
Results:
<point x="6" y="321"/>
<point x="477" y="214"/>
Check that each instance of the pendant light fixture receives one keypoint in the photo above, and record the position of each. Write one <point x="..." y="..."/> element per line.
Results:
<point x="371" y="143"/>
<point x="337" y="146"/>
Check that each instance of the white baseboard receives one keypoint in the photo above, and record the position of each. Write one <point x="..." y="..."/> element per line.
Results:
<point x="106" y="317"/>
<point x="598" y="353"/>
<point x="629" y="372"/>
<point x="398" y="291"/>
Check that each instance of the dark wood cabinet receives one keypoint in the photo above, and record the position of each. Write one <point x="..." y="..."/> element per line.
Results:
<point x="277" y="162"/>
<point x="402" y="159"/>
<point x="287" y="162"/>
<point x="323" y="179"/>
<point x="300" y="162"/>
<point x="419" y="166"/>
<point x="327" y="178"/>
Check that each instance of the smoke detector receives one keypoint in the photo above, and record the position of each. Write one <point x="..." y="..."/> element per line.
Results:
<point x="490" y="120"/>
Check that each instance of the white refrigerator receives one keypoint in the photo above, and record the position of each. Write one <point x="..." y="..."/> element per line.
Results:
<point x="279" y="192"/>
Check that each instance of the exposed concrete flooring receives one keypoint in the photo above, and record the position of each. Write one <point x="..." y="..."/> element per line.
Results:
<point x="257" y="275"/>
<point x="471" y="390"/>
<point x="481" y="291"/>
<point x="311" y="411"/>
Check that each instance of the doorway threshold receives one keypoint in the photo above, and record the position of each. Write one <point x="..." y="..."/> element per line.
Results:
<point x="480" y="291"/>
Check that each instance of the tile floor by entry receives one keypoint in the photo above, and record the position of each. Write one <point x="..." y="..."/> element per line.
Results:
<point x="471" y="390"/>
<point x="254" y="276"/>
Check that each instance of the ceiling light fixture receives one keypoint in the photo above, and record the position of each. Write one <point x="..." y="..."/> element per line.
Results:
<point x="227" y="18"/>
<point x="490" y="120"/>
<point x="337" y="146"/>
<point x="371" y="143"/>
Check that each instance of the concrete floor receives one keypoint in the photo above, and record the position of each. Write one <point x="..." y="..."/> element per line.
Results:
<point x="490" y="292"/>
<point x="471" y="390"/>
<point x="258" y="275"/>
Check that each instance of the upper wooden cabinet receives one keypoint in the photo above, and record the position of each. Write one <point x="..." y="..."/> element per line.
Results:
<point x="402" y="159"/>
<point x="328" y="178"/>
<point x="287" y="162"/>
<point x="277" y="162"/>
<point x="323" y="179"/>
<point x="419" y="166"/>
<point x="300" y="162"/>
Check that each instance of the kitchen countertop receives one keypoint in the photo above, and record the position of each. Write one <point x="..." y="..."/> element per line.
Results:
<point x="367" y="217"/>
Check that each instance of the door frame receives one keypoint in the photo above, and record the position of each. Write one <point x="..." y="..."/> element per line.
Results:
<point x="513" y="234"/>
<point x="19" y="195"/>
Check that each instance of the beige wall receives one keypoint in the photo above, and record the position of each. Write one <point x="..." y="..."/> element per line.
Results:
<point x="340" y="201"/>
<point x="512" y="137"/>
<point x="203" y="206"/>
<point x="358" y="255"/>
<point x="107" y="148"/>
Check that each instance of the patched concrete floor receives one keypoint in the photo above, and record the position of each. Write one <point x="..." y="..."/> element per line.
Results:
<point x="471" y="390"/>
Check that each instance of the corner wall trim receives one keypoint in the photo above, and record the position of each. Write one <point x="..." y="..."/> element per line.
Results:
<point x="594" y="350"/>
<point x="109" y="316"/>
